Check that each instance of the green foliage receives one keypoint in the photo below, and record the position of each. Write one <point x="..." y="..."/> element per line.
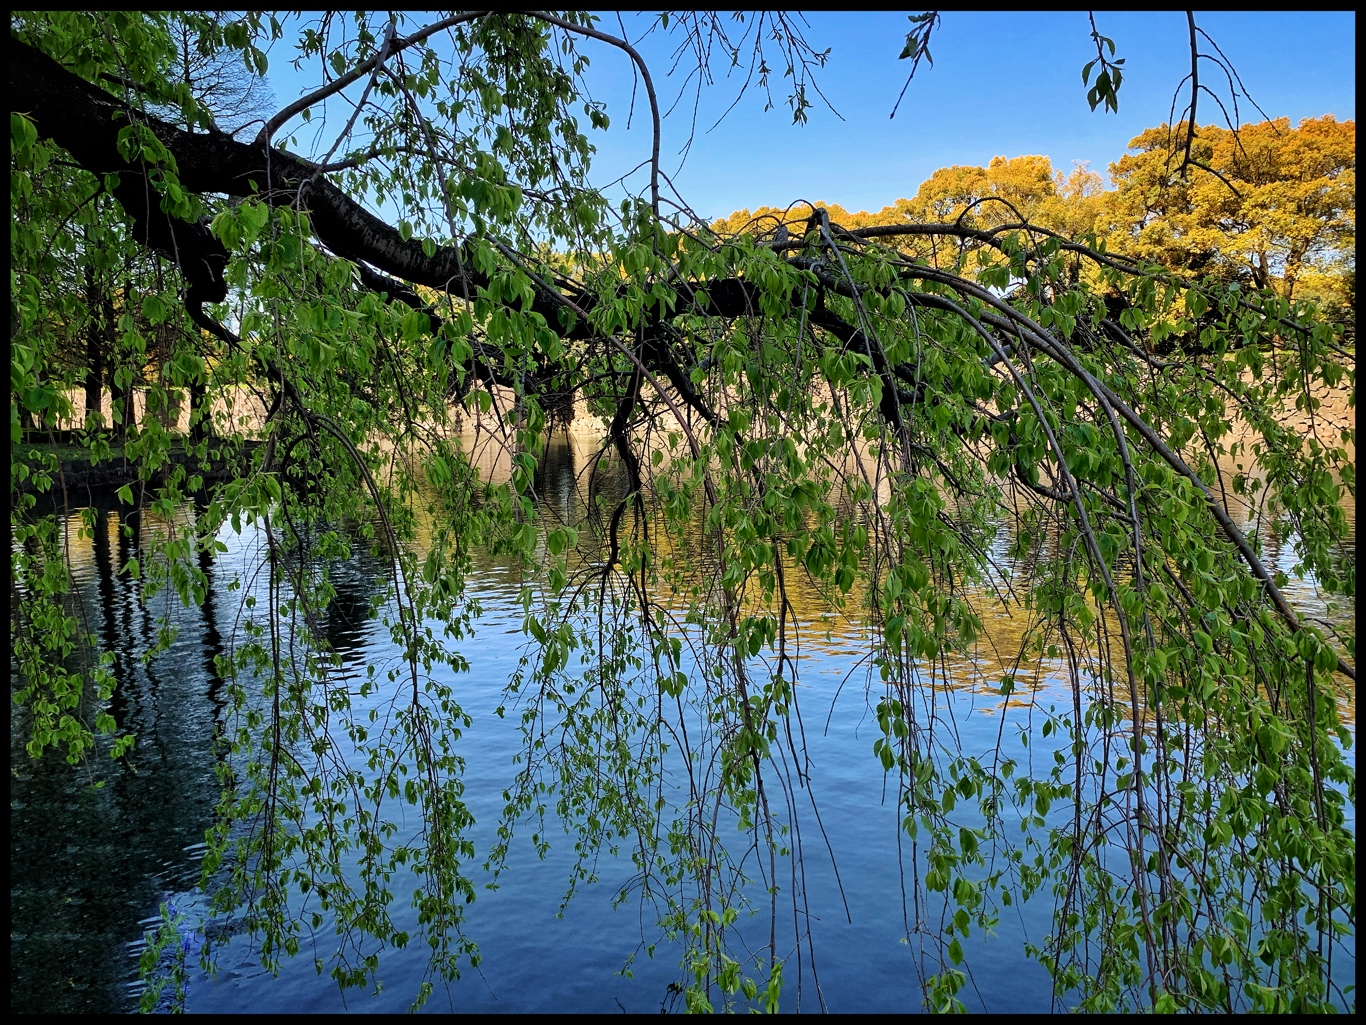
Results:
<point x="823" y="418"/>
<point x="162" y="966"/>
<point x="1110" y="76"/>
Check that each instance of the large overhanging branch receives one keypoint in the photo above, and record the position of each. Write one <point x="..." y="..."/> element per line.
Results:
<point x="87" y="121"/>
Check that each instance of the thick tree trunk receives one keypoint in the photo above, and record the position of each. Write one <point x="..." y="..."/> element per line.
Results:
<point x="95" y="340"/>
<point x="120" y="402"/>
<point x="199" y="413"/>
<point x="121" y="396"/>
<point x="1261" y="272"/>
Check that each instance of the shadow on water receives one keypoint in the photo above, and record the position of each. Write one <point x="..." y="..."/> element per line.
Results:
<point x="96" y="848"/>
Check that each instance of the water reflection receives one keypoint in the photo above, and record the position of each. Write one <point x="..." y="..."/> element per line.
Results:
<point x="94" y="848"/>
<point x="90" y="863"/>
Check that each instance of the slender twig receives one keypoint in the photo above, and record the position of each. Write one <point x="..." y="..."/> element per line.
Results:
<point x="640" y="64"/>
<point x="355" y="74"/>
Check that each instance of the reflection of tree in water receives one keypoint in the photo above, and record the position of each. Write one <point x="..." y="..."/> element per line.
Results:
<point x="609" y="482"/>
<point x="94" y="847"/>
<point x="350" y="610"/>
<point x="555" y="480"/>
<point x="88" y="864"/>
<point x="213" y="640"/>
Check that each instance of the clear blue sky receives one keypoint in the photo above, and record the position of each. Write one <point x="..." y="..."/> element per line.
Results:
<point x="1002" y="83"/>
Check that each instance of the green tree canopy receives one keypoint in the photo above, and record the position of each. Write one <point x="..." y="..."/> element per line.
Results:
<point x="816" y="401"/>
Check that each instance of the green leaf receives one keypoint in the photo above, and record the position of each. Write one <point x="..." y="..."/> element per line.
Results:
<point x="22" y="133"/>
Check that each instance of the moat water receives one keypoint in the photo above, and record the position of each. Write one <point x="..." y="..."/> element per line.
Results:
<point x="97" y="849"/>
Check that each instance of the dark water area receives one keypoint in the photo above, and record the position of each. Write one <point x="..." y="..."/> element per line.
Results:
<point x="96" y="849"/>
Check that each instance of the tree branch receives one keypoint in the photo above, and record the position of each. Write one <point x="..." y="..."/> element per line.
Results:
<point x="357" y="73"/>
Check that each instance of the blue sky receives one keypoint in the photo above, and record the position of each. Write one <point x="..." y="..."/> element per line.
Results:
<point x="1003" y="83"/>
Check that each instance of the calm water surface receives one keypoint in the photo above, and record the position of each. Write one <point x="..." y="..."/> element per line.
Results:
<point x="90" y="865"/>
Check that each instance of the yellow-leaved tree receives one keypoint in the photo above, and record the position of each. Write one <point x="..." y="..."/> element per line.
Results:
<point x="1276" y="206"/>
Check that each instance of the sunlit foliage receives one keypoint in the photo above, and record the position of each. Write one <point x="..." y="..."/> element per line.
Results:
<point x="867" y="404"/>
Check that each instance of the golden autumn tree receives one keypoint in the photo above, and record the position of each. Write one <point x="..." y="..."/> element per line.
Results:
<point x="1007" y="189"/>
<point x="768" y="218"/>
<point x="1276" y="207"/>
<point x="1077" y="204"/>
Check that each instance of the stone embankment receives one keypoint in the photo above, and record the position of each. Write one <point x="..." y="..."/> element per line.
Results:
<point x="77" y="475"/>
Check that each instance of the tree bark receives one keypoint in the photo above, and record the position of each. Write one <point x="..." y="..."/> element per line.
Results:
<point x="96" y="341"/>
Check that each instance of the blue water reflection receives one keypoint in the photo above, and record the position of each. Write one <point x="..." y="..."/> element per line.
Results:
<point x="92" y="865"/>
